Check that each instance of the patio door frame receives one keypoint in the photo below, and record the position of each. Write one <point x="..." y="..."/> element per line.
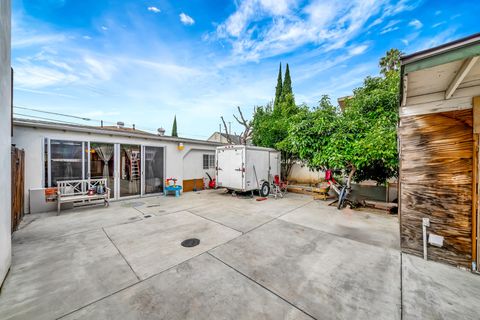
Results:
<point x="88" y="174"/>
<point x="143" y="180"/>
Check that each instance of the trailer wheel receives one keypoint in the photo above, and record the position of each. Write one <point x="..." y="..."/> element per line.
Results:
<point x="265" y="189"/>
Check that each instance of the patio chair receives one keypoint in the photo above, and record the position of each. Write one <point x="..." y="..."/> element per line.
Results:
<point x="279" y="187"/>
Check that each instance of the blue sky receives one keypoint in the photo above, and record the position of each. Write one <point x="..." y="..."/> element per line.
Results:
<point x="143" y="61"/>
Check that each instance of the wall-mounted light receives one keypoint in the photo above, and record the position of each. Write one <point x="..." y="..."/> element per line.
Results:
<point x="180" y="146"/>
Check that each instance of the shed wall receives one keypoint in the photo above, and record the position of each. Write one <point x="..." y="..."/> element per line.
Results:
<point x="436" y="182"/>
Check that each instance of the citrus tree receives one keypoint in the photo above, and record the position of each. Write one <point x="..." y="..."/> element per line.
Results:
<point x="361" y="140"/>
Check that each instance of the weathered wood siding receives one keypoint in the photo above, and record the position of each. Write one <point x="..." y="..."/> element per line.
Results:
<point x="18" y="181"/>
<point x="436" y="182"/>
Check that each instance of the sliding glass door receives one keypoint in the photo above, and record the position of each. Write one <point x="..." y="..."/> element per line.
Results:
<point x="102" y="163"/>
<point x="130" y="170"/>
<point x="154" y="168"/>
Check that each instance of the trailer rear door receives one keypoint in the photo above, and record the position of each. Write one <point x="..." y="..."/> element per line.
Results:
<point x="230" y="171"/>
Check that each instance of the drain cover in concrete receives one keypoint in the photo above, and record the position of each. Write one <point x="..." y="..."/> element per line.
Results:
<point x="190" y="242"/>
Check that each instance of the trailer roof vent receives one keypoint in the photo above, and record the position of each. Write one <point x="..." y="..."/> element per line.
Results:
<point x="161" y="131"/>
<point x="120" y="124"/>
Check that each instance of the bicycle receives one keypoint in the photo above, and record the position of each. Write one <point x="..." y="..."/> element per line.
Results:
<point x="342" y="190"/>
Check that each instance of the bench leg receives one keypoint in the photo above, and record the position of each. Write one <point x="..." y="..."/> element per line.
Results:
<point x="58" y="207"/>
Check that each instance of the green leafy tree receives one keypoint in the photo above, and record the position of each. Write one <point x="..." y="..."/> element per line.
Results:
<point x="287" y="85"/>
<point x="362" y="140"/>
<point x="174" y="127"/>
<point x="278" y="88"/>
<point x="271" y="126"/>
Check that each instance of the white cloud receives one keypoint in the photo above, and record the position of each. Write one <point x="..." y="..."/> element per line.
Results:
<point x="186" y="19"/>
<point x="47" y="93"/>
<point x="358" y="50"/>
<point x="416" y="24"/>
<point x="100" y="69"/>
<point x="438" y="12"/>
<point x="391" y="26"/>
<point x="23" y="41"/>
<point x="438" y="24"/>
<point x="104" y="28"/>
<point x="387" y="30"/>
<point x="154" y="9"/>
<point x="259" y="29"/>
<point x="87" y="37"/>
<point x="36" y="76"/>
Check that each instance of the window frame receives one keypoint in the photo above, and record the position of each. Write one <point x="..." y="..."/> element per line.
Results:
<point x="208" y="161"/>
<point x="48" y="183"/>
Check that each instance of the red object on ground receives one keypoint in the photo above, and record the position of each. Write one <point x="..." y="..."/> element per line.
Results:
<point x="279" y="183"/>
<point x="212" y="184"/>
<point x="261" y="199"/>
<point x="329" y="176"/>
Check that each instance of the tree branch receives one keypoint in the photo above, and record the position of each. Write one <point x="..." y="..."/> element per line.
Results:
<point x="229" y="139"/>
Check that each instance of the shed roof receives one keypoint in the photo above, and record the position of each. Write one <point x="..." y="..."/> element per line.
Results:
<point x="445" y="53"/>
<point x="444" y="78"/>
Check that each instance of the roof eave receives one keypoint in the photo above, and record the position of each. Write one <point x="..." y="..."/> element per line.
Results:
<point x="91" y="129"/>
<point x="449" y="52"/>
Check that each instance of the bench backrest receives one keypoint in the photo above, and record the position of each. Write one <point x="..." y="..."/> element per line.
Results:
<point x="74" y="187"/>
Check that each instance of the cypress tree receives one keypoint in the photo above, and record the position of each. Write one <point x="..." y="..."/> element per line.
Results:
<point x="278" y="88"/>
<point x="174" y="128"/>
<point x="287" y="84"/>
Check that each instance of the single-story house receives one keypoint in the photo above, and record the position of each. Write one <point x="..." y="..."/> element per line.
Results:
<point x="136" y="163"/>
<point x="438" y="149"/>
<point x="224" y="138"/>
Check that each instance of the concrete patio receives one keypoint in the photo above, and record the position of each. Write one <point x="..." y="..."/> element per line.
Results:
<point x="292" y="258"/>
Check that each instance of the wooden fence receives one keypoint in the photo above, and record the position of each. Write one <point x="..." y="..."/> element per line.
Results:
<point x="18" y="181"/>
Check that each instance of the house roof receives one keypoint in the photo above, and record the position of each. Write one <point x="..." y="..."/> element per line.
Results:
<point x="233" y="137"/>
<point x="125" y="129"/>
<point x="107" y="130"/>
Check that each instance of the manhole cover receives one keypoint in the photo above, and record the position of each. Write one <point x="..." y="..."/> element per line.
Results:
<point x="190" y="242"/>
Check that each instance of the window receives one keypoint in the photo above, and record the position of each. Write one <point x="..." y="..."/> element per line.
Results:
<point x="208" y="161"/>
<point x="64" y="161"/>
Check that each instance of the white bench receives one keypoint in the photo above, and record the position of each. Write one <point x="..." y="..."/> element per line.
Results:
<point x="77" y="191"/>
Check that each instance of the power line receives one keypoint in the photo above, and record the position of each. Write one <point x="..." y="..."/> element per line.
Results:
<point x="86" y="119"/>
<point x="43" y="118"/>
<point x="54" y="113"/>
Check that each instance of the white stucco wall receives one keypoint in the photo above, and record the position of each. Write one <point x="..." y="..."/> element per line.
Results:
<point x="301" y="174"/>
<point x="32" y="140"/>
<point x="193" y="164"/>
<point x="5" y="140"/>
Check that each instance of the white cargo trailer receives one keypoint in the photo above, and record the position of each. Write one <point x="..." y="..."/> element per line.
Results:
<point x="246" y="168"/>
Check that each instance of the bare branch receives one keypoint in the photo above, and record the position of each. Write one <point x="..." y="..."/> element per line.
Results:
<point x="229" y="138"/>
<point x="241" y="115"/>
<point x="238" y="120"/>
